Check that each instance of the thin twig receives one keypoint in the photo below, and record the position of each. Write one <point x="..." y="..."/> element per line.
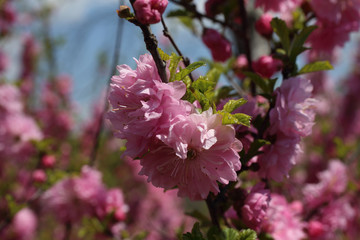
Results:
<point x="168" y="35"/>
<point x="100" y="126"/>
<point x="244" y="34"/>
<point x="152" y="46"/>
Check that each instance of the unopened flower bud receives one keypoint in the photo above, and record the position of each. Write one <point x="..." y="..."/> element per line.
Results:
<point x="219" y="46"/>
<point x="263" y="26"/>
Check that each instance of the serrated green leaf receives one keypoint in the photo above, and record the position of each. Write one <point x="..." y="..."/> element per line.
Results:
<point x="188" y="22"/>
<point x="231" y="105"/>
<point x="237" y="118"/>
<point x="203" y="84"/>
<point x="247" y="234"/>
<point x="214" y="74"/>
<point x="280" y="28"/>
<point x="163" y="55"/>
<point x="231" y="234"/>
<point x="258" y="80"/>
<point x="316" y="66"/>
<point x="203" y="100"/>
<point x="195" y="233"/>
<point x="298" y="42"/>
<point x="178" y="13"/>
<point x="186" y="71"/>
<point x="173" y="66"/>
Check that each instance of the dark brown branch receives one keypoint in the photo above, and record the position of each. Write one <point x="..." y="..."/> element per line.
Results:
<point x="212" y="210"/>
<point x="152" y="46"/>
<point x="168" y="35"/>
<point x="244" y="34"/>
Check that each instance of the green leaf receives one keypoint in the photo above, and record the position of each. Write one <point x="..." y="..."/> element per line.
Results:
<point x="280" y="28"/>
<point x="178" y="13"/>
<point x="315" y="67"/>
<point x="231" y="105"/>
<point x="298" y="42"/>
<point x="231" y="234"/>
<point x="203" y="100"/>
<point x="198" y="215"/>
<point x="203" y="84"/>
<point x="237" y="118"/>
<point x="184" y="72"/>
<point x="258" y="80"/>
<point x="163" y="55"/>
<point x="174" y="62"/>
<point x="253" y="150"/>
<point x="214" y="74"/>
<point x="247" y="234"/>
<point x="195" y="233"/>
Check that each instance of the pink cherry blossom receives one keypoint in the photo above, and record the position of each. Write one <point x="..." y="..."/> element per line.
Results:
<point x="198" y="152"/>
<point x="149" y="11"/>
<point x="332" y="182"/>
<point x="293" y="114"/>
<point x="74" y="197"/>
<point x="281" y="221"/>
<point x="10" y="99"/>
<point x="266" y="66"/>
<point x="256" y="203"/>
<point x="24" y="224"/>
<point x="219" y="46"/>
<point x="143" y="105"/>
<point x="278" y="158"/>
<point x="39" y="176"/>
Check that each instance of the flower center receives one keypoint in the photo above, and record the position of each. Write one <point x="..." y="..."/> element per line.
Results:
<point x="191" y="154"/>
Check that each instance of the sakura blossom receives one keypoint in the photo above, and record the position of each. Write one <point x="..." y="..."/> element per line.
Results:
<point x="293" y="114"/>
<point x="197" y="152"/>
<point x="143" y="105"/>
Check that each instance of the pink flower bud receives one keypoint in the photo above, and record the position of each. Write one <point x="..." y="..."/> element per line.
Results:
<point x="39" y="176"/>
<point x="219" y="46"/>
<point x="266" y="66"/>
<point x="315" y="229"/>
<point x="241" y="64"/>
<point x="263" y="26"/>
<point x="150" y="11"/>
<point x="48" y="161"/>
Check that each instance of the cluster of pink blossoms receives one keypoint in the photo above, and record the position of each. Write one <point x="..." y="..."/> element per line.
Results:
<point x="291" y="118"/>
<point x="72" y="198"/>
<point x="176" y="145"/>
<point x="17" y="129"/>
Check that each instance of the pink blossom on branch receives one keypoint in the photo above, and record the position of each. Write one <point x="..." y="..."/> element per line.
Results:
<point x="283" y="220"/>
<point x="254" y="209"/>
<point x="293" y="114"/>
<point x="263" y="26"/>
<point x="197" y="152"/>
<point x="219" y="46"/>
<point x="149" y="11"/>
<point x="143" y="105"/>
<point x="278" y="158"/>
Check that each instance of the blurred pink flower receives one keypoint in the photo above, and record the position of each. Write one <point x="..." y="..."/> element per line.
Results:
<point x="279" y="158"/>
<point x="293" y="114"/>
<point x="282" y="222"/>
<point x="199" y="151"/>
<point x="240" y="65"/>
<point x="332" y="182"/>
<point x="24" y="224"/>
<point x="281" y="6"/>
<point x="262" y="25"/>
<point x="74" y="197"/>
<point x="149" y="11"/>
<point x="219" y="46"/>
<point x="256" y="203"/>
<point x="266" y="66"/>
